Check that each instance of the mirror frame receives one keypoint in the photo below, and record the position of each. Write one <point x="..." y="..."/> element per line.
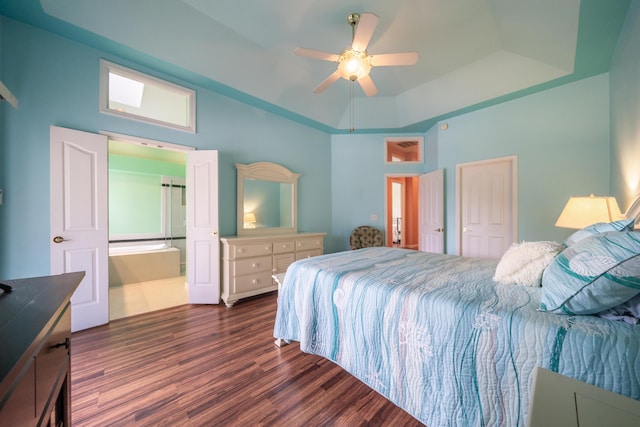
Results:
<point x="266" y="171"/>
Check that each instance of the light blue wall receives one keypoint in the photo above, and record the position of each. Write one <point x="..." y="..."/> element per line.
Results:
<point x="561" y="138"/>
<point x="135" y="194"/>
<point x="625" y="111"/>
<point x="56" y="83"/>
<point x="358" y="183"/>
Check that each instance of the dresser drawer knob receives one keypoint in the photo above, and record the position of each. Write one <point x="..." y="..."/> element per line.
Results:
<point x="66" y="344"/>
<point x="255" y="281"/>
<point x="240" y="250"/>
<point x="255" y="264"/>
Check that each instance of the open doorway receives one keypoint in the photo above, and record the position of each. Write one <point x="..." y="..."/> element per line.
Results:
<point x="79" y="219"/>
<point x="402" y="202"/>
<point x="147" y="228"/>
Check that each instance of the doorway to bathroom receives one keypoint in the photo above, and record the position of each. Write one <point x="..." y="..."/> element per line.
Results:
<point x="79" y="220"/>
<point x="147" y="228"/>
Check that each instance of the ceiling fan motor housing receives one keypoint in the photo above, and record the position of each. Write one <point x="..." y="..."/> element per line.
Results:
<point x="353" y="65"/>
<point x="353" y="19"/>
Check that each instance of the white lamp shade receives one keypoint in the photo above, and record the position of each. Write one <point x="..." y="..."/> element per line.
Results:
<point x="580" y="212"/>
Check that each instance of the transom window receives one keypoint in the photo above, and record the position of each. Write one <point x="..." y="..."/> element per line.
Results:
<point x="404" y="150"/>
<point x="128" y="93"/>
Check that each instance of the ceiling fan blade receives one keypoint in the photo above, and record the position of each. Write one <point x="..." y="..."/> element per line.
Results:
<point x="368" y="86"/>
<point x="327" y="82"/>
<point x="364" y="31"/>
<point x="386" y="59"/>
<point x="316" y="54"/>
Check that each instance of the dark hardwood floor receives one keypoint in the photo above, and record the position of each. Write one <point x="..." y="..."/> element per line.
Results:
<point x="212" y="366"/>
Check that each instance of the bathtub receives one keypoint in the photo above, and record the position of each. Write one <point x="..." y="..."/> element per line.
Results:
<point x="142" y="261"/>
<point x="136" y="248"/>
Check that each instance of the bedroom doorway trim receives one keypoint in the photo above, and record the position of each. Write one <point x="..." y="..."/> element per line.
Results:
<point x="409" y="206"/>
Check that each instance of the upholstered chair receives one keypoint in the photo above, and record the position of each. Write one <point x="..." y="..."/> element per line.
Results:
<point x="365" y="237"/>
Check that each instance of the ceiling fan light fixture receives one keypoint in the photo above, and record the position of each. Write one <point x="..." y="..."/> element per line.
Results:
<point x="353" y="65"/>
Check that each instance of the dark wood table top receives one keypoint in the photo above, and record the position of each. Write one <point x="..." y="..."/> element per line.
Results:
<point x="27" y="314"/>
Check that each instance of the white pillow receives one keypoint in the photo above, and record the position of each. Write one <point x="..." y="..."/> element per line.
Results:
<point x="523" y="263"/>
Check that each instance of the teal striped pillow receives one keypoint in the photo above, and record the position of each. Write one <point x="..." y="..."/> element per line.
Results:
<point x="600" y="227"/>
<point x="593" y="275"/>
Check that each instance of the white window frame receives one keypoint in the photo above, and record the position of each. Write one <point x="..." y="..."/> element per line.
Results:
<point x="418" y="139"/>
<point x="106" y="67"/>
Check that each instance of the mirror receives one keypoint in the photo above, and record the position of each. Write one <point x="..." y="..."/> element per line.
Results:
<point x="267" y="199"/>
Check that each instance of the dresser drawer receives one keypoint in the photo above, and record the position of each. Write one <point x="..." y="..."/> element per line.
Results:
<point x="20" y="408"/>
<point x="252" y="282"/>
<point x="308" y="254"/>
<point x="249" y="261"/>
<point x="308" y="244"/>
<point x="284" y="247"/>
<point x="246" y="251"/>
<point x="251" y="266"/>
<point x="52" y="359"/>
<point x="282" y="261"/>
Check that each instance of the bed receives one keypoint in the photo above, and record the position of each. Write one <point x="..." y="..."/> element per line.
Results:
<point x="440" y="338"/>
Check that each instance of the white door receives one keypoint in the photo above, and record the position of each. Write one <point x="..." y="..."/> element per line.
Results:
<point x="79" y="220"/>
<point x="431" y="212"/>
<point x="203" y="241"/>
<point x="487" y="207"/>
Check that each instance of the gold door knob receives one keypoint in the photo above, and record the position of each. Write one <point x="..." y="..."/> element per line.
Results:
<point x="214" y="233"/>
<point x="58" y="239"/>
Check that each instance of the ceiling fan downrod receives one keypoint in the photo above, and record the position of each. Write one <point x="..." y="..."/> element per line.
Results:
<point x="353" y="19"/>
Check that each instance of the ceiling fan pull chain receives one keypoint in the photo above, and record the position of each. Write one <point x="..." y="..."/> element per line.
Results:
<point x="352" y="112"/>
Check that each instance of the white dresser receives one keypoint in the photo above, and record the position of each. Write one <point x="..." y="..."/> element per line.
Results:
<point x="248" y="262"/>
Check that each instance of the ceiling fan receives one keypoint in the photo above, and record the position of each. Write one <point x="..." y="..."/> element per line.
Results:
<point x="354" y="63"/>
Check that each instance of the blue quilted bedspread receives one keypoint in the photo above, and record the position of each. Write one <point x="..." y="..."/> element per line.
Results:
<point x="436" y="336"/>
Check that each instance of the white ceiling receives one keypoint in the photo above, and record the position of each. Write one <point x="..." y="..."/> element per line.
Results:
<point x="470" y="51"/>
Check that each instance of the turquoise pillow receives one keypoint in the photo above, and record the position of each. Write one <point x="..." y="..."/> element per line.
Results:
<point x="593" y="275"/>
<point x="600" y="227"/>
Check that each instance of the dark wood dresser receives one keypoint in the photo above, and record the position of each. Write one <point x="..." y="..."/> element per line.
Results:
<point x="35" y="341"/>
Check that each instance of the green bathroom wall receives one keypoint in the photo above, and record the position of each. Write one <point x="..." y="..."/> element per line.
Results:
<point x="135" y="195"/>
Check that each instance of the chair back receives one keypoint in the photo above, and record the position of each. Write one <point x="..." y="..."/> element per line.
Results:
<point x="365" y="237"/>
